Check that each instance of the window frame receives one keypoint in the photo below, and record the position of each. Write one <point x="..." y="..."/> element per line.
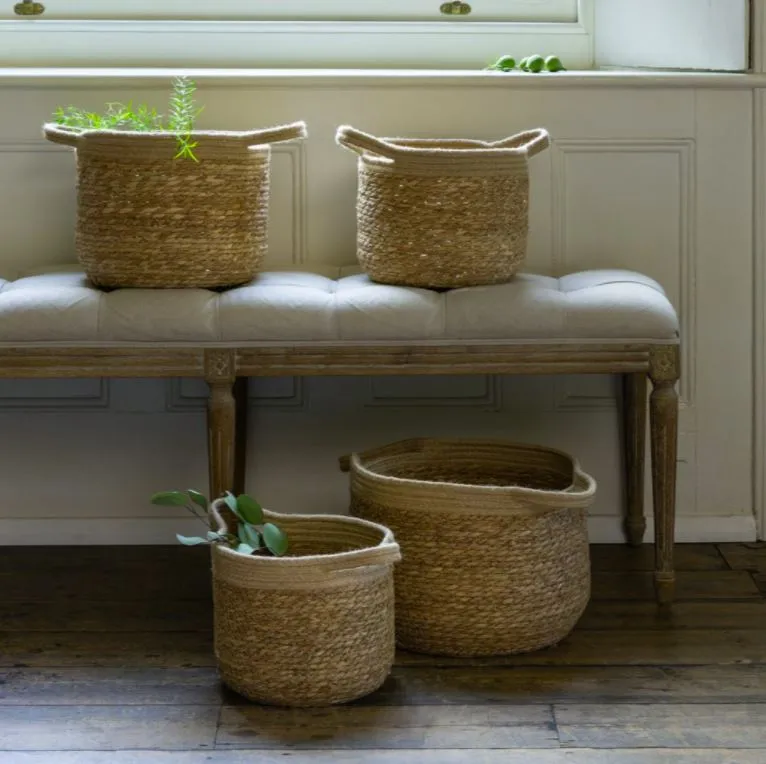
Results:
<point x="556" y="11"/>
<point x="41" y="42"/>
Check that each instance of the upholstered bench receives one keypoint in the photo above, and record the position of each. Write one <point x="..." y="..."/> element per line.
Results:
<point x="331" y="321"/>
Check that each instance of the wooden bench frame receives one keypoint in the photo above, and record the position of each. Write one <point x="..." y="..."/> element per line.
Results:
<point x="226" y="370"/>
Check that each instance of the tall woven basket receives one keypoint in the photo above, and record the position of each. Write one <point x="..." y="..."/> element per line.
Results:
<point x="495" y="556"/>
<point x="442" y="213"/>
<point x="146" y="219"/>
<point x="311" y="629"/>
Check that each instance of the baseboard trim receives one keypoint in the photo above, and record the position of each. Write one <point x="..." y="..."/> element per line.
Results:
<point x="161" y="530"/>
<point x="689" y="529"/>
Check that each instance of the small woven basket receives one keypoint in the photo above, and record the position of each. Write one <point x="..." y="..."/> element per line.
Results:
<point x="313" y="628"/>
<point x="442" y="213"/>
<point x="494" y="541"/>
<point x="146" y="219"/>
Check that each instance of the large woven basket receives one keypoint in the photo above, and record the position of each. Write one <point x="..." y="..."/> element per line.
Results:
<point x="442" y="213"/>
<point x="313" y="628"/>
<point x="494" y="541"/>
<point x="146" y="219"/>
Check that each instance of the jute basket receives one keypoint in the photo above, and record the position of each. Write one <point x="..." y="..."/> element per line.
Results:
<point x="145" y="219"/>
<point x="442" y="213"/>
<point x="313" y="628"/>
<point x="494" y="541"/>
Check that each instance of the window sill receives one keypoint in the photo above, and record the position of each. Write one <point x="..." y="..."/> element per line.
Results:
<point x="130" y="77"/>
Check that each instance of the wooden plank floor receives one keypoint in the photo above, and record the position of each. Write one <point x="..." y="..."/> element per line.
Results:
<point x="105" y="656"/>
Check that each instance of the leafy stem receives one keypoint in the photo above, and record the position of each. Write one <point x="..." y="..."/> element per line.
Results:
<point x="254" y="535"/>
<point x="182" y="115"/>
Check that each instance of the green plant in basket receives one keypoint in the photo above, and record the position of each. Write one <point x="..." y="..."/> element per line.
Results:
<point x="254" y="534"/>
<point x="180" y="120"/>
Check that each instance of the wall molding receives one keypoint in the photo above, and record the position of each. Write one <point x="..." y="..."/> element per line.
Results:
<point x="300" y="202"/>
<point x="179" y="401"/>
<point x="566" y="400"/>
<point x="684" y="150"/>
<point x="759" y="307"/>
<point x="98" y="400"/>
<point x="490" y="399"/>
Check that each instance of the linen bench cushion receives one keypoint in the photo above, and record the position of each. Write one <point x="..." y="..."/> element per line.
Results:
<point x="58" y="306"/>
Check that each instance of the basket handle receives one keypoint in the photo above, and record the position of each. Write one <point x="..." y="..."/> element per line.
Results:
<point x="385" y="553"/>
<point x="67" y="136"/>
<point x="278" y="134"/>
<point x="359" y="142"/>
<point x="531" y="141"/>
<point x="578" y="496"/>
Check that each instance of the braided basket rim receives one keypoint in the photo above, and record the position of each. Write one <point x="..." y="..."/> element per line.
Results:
<point x="386" y="540"/>
<point x="360" y="462"/>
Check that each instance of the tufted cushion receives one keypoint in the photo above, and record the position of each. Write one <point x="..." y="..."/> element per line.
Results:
<point x="59" y="306"/>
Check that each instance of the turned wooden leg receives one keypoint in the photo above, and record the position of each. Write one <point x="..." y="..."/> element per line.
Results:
<point x="634" y="431"/>
<point x="221" y="420"/>
<point x="663" y="414"/>
<point x="240" y="435"/>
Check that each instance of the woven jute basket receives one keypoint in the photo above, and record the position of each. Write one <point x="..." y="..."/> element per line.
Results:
<point x="440" y="213"/>
<point x="313" y="628"/>
<point x="147" y="219"/>
<point x="494" y="541"/>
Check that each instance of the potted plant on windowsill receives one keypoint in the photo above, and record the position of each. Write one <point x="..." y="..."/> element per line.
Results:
<point x="303" y="604"/>
<point x="163" y="204"/>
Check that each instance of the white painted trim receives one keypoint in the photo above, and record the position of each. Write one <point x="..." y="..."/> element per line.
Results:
<point x="759" y="309"/>
<point x="162" y="530"/>
<point x="131" y="77"/>
<point x="515" y="10"/>
<point x="698" y="529"/>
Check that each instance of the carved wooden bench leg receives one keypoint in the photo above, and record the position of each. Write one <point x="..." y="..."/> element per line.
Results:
<point x="663" y="411"/>
<point x="240" y="435"/>
<point x="634" y="429"/>
<point x="221" y="420"/>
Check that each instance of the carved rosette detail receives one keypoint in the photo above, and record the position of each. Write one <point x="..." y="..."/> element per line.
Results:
<point x="664" y="363"/>
<point x="219" y="366"/>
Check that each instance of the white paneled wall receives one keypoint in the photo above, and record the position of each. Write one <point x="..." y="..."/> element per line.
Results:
<point x="657" y="179"/>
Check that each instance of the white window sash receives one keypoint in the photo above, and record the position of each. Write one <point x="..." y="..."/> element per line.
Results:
<point x="301" y="10"/>
<point x="47" y="42"/>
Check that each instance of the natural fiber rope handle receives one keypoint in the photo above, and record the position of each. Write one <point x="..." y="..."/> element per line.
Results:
<point x="66" y="136"/>
<point x="579" y="495"/>
<point x="385" y="553"/>
<point x="532" y="142"/>
<point x="279" y="134"/>
<point x="71" y="137"/>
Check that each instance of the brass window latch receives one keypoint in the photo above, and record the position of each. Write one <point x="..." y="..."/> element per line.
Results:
<point x="29" y="8"/>
<point x="455" y="8"/>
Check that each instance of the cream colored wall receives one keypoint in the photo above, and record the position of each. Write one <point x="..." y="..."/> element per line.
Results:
<point x="658" y="179"/>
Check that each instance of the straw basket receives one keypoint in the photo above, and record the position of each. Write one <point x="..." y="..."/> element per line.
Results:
<point x="146" y="219"/>
<point x="442" y="213"/>
<point x="494" y="541"/>
<point x="310" y="629"/>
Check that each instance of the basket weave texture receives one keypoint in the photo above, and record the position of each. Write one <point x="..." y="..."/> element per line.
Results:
<point x="146" y="219"/>
<point x="313" y="628"/>
<point x="494" y="542"/>
<point x="442" y="213"/>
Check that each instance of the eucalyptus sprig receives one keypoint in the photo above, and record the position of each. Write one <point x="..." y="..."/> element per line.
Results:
<point x="182" y="115"/>
<point x="254" y="535"/>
